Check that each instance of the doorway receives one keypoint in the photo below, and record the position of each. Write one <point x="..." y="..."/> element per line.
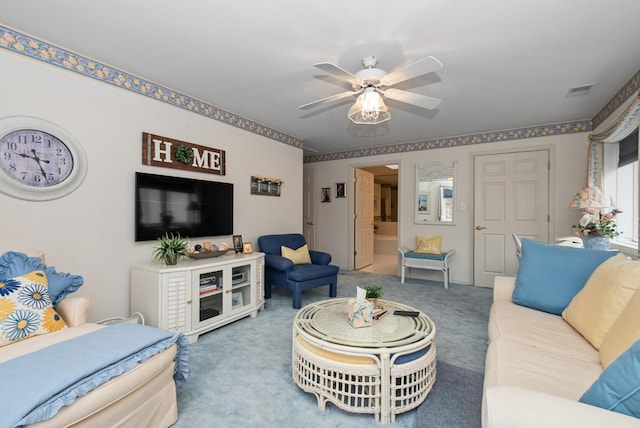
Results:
<point x="385" y="219"/>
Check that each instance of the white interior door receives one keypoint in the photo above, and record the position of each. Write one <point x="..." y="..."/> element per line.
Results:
<point x="309" y="208"/>
<point x="363" y="219"/>
<point x="511" y="196"/>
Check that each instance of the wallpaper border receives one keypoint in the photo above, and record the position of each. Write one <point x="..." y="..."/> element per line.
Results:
<point x="27" y="45"/>
<point x="463" y="140"/>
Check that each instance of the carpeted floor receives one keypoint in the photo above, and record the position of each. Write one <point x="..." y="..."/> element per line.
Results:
<point x="454" y="401"/>
<point x="241" y="373"/>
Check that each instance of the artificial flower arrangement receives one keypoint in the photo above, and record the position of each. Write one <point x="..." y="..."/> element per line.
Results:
<point x="595" y="223"/>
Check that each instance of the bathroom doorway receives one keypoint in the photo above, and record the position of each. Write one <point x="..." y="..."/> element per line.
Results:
<point x="385" y="219"/>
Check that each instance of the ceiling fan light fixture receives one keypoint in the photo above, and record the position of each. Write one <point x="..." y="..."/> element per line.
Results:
<point x="369" y="109"/>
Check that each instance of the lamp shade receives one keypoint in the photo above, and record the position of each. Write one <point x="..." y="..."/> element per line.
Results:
<point x="369" y="109"/>
<point x="589" y="197"/>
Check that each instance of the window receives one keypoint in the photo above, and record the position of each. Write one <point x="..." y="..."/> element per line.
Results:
<point x="621" y="183"/>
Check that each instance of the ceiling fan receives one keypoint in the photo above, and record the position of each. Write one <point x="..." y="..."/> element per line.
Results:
<point x="371" y="84"/>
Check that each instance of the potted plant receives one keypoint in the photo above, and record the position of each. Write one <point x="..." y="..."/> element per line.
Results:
<point x="170" y="248"/>
<point x="374" y="292"/>
<point x="596" y="229"/>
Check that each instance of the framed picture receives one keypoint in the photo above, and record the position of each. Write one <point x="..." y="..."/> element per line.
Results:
<point x="341" y="190"/>
<point x="423" y="203"/>
<point x="326" y="194"/>
<point x="236" y="299"/>
<point x="247" y="248"/>
<point x="237" y="243"/>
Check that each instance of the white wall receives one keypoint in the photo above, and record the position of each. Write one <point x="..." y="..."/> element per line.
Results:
<point x="568" y="174"/>
<point x="90" y="231"/>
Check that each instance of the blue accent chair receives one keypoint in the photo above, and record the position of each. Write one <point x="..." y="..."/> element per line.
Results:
<point x="281" y="272"/>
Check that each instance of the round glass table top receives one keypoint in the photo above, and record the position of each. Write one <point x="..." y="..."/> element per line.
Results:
<point x="327" y="321"/>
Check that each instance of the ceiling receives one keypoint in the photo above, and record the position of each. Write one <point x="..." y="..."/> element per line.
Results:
<point x="506" y="64"/>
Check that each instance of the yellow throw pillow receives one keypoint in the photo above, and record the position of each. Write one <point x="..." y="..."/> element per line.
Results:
<point x="25" y="308"/>
<point x="298" y="257"/>
<point x="624" y="332"/>
<point x="428" y="245"/>
<point x="596" y="307"/>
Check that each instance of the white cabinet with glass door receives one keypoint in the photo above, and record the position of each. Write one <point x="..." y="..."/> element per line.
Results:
<point x="196" y="296"/>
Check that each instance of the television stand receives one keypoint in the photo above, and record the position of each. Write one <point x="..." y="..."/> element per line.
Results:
<point x="198" y="295"/>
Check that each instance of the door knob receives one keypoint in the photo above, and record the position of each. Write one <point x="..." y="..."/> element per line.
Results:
<point x="480" y="227"/>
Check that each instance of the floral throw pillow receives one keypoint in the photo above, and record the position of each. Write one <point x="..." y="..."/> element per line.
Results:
<point x="428" y="245"/>
<point x="26" y="309"/>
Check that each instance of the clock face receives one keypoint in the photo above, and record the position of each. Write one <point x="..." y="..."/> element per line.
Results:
<point x="39" y="160"/>
<point x="35" y="158"/>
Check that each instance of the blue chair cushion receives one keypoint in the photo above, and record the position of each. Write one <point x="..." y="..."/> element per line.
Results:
<point x="403" y="359"/>
<point x="550" y="276"/>
<point x="301" y="273"/>
<point x="414" y="255"/>
<point x="270" y="244"/>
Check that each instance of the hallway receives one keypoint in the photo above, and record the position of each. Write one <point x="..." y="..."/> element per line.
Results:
<point x="383" y="265"/>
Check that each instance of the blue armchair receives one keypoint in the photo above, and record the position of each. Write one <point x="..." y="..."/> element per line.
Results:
<point x="282" y="272"/>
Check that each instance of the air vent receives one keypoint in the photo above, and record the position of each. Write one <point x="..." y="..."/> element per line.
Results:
<point x="578" y="91"/>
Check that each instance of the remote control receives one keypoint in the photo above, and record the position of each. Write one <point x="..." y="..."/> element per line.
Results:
<point x="380" y="315"/>
<point x="406" y="313"/>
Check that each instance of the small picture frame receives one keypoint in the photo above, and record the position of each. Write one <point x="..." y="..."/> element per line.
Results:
<point x="341" y="190"/>
<point x="247" y="248"/>
<point x="237" y="243"/>
<point x="326" y="194"/>
<point x="237" y="300"/>
<point x="423" y="203"/>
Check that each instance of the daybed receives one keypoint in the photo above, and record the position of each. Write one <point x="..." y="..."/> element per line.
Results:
<point x="563" y="341"/>
<point x="135" y="388"/>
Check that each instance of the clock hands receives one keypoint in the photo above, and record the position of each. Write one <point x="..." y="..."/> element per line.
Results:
<point x="37" y="159"/>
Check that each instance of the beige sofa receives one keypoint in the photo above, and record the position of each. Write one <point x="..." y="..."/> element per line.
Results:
<point x="142" y="397"/>
<point x="537" y="368"/>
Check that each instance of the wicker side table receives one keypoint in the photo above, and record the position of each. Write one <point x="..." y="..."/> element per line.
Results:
<point x="386" y="369"/>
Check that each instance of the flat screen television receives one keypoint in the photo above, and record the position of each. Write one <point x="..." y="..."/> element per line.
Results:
<point x="192" y="208"/>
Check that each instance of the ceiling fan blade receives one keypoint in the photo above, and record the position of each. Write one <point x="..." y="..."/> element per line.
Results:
<point x="412" y="98"/>
<point x="329" y="99"/>
<point x="340" y="73"/>
<point x="418" y="68"/>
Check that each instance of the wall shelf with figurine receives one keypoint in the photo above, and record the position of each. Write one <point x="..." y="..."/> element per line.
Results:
<point x="266" y="185"/>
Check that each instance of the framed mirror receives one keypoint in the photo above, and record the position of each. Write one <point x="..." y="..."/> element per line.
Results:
<point x="435" y="193"/>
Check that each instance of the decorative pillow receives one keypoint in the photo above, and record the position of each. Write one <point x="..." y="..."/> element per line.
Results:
<point x="25" y="308"/>
<point x="596" y="307"/>
<point x="623" y="333"/>
<point x="428" y="245"/>
<point x="618" y="387"/>
<point x="298" y="257"/>
<point x="13" y="263"/>
<point x="550" y="276"/>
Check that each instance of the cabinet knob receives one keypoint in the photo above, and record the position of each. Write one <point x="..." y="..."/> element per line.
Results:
<point x="189" y="302"/>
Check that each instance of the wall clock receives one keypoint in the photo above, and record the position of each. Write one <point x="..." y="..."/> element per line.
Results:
<point x="38" y="159"/>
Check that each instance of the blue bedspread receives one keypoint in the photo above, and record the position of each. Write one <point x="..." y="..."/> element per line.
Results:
<point x="37" y="385"/>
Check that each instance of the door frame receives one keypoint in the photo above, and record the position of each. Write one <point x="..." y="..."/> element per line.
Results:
<point x="351" y="200"/>
<point x="472" y="203"/>
<point x="312" y="173"/>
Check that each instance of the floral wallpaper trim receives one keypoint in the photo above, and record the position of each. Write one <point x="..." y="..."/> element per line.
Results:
<point x="464" y="140"/>
<point x="628" y="90"/>
<point x="29" y="46"/>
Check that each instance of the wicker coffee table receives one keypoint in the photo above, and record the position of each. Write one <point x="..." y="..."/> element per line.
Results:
<point x="385" y="369"/>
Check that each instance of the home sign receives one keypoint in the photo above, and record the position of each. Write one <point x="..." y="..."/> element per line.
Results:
<point x="169" y="153"/>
